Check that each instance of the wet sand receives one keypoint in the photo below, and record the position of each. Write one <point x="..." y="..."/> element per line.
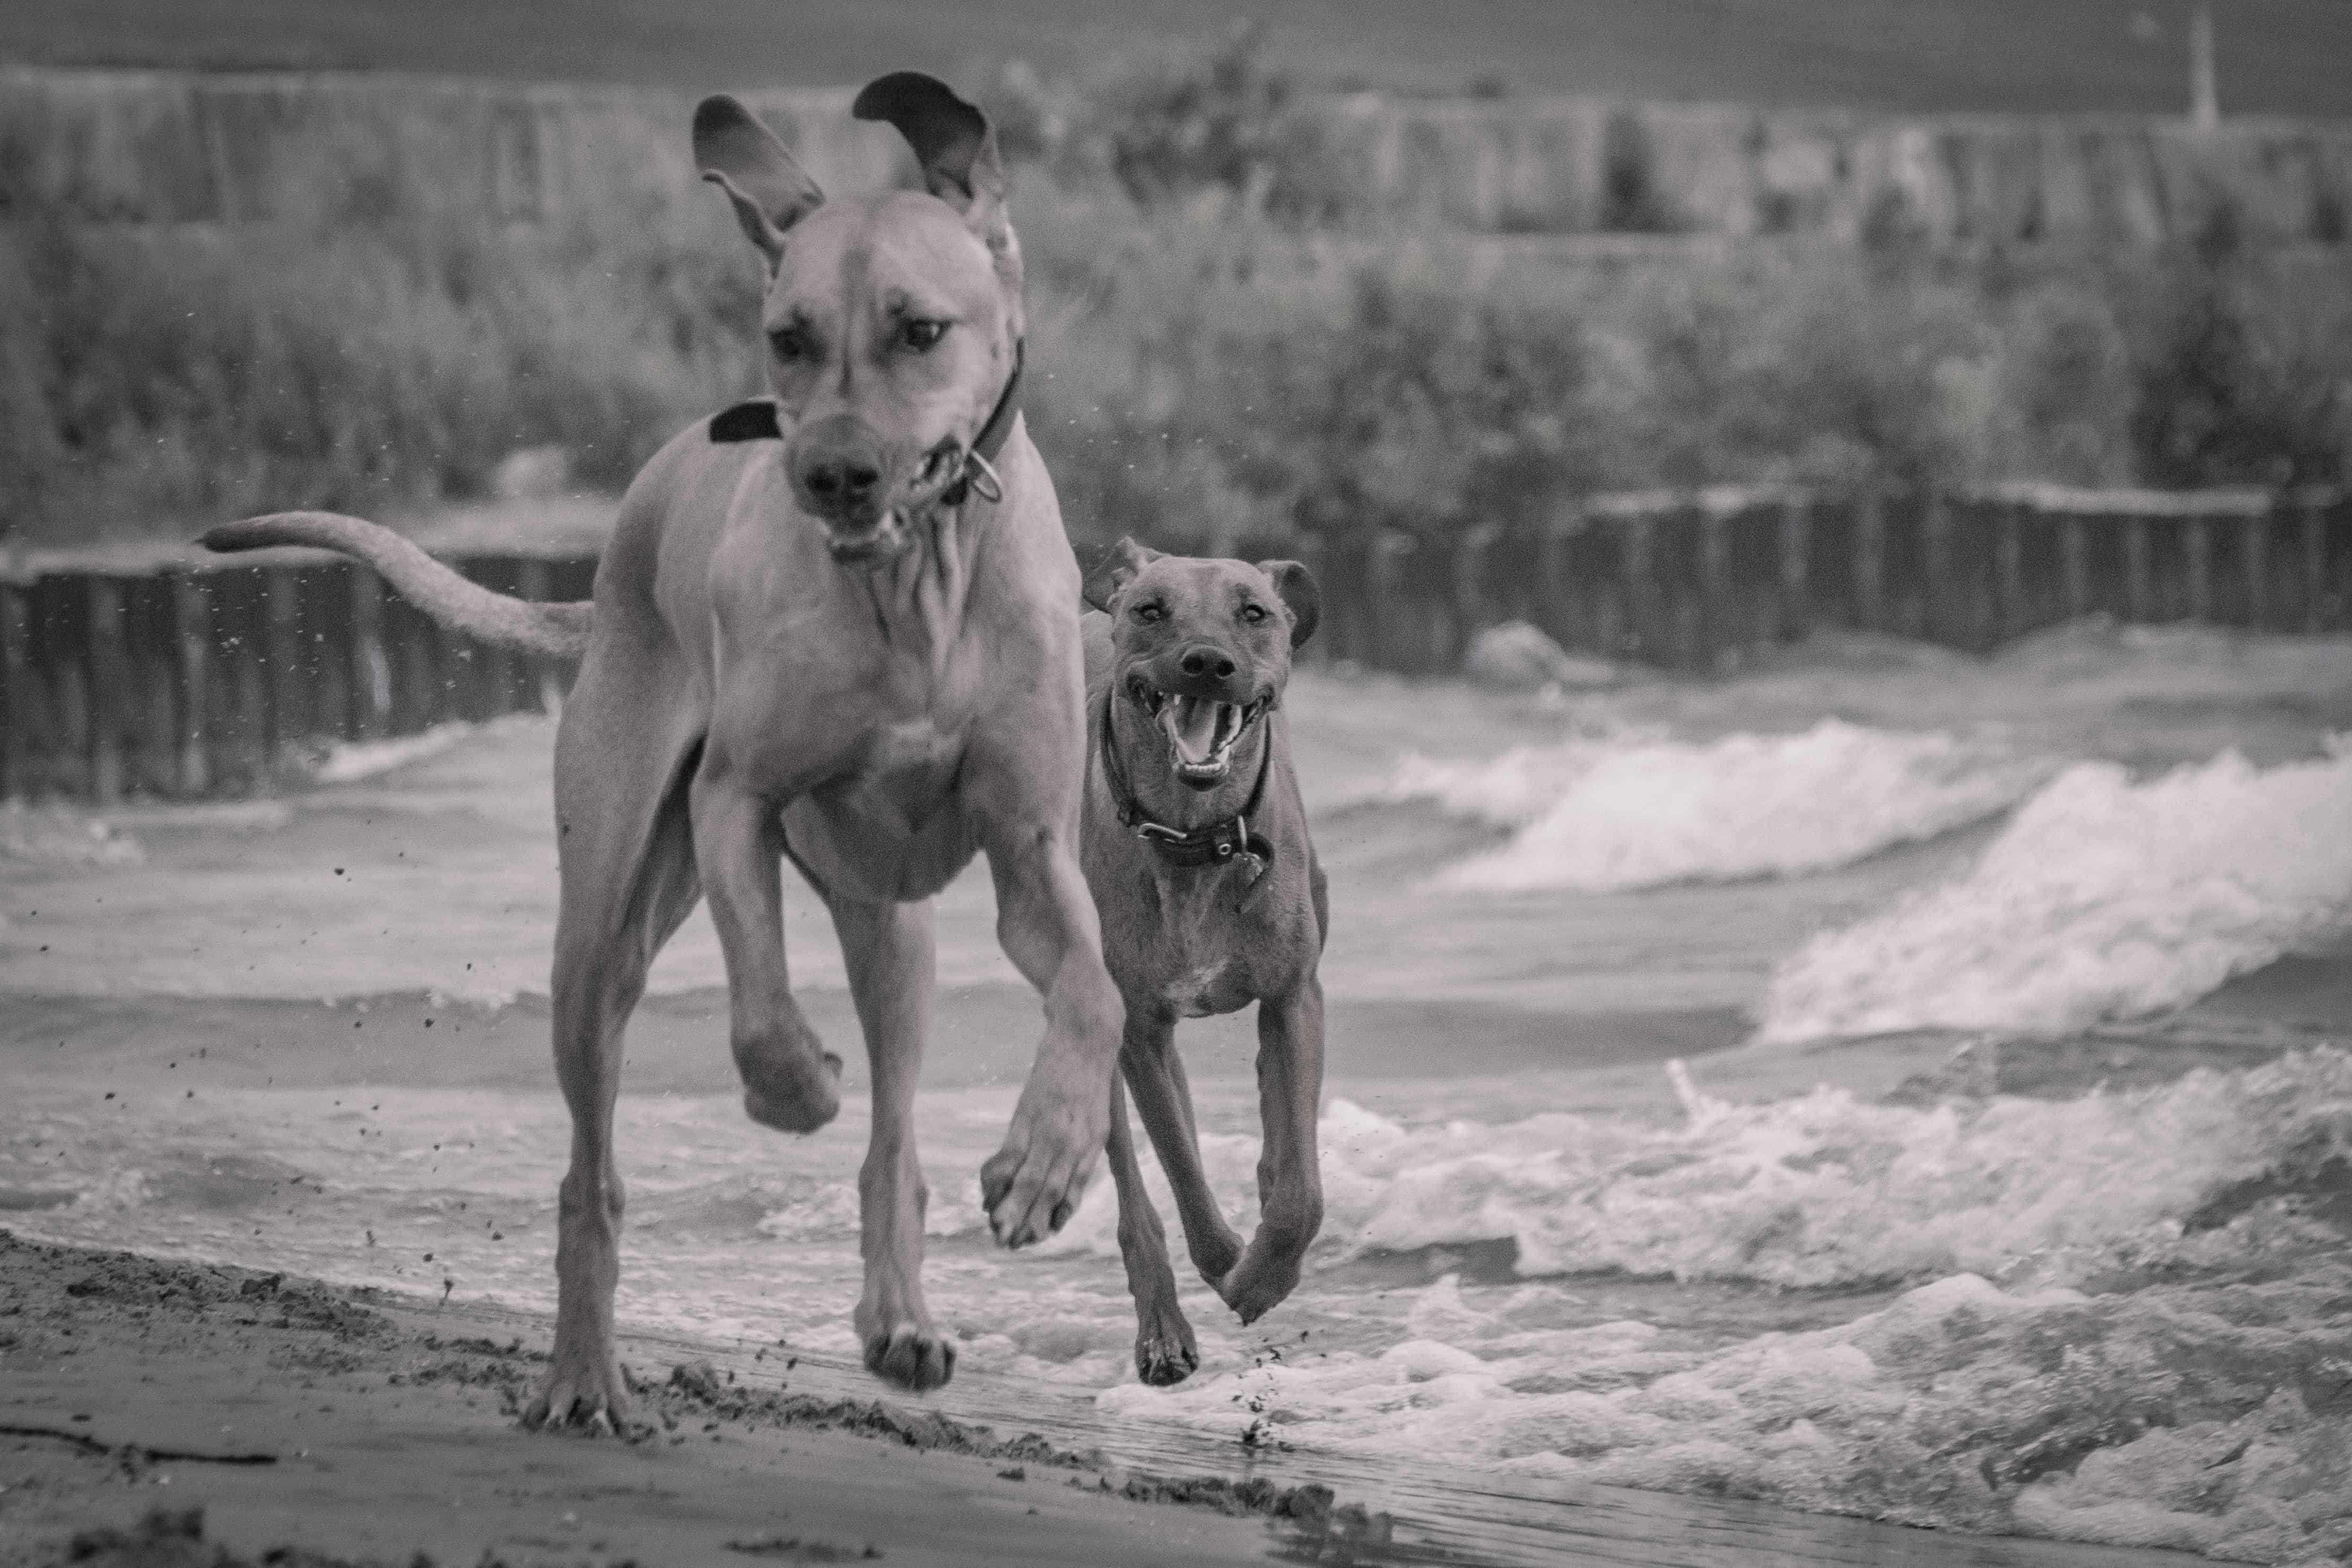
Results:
<point x="318" y="1426"/>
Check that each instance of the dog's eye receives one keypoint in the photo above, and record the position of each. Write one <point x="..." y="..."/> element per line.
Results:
<point x="1253" y="614"/>
<point x="919" y="334"/>
<point x="789" y="343"/>
<point x="1151" y="615"/>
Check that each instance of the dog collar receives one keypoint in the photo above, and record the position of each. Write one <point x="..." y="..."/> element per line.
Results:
<point x="993" y="433"/>
<point x="1220" y="843"/>
<point x="756" y="420"/>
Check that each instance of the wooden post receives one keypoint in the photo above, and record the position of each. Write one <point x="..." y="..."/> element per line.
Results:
<point x="2254" y="566"/>
<point x="1870" y="560"/>
<point x="24" y="719"/>
<point x="1717" y="628"/>
<point x="369" y="673"/>
<point x="2139" y="589"/>
<point x="192" y="637"/>
<point x="2077" y="542"/>
<point x="1796" y="567"/>
<point x="1469" y="588"/>
<point x="1641" y="591"/>
<point x="109" y="687"/>
<point x="532" y="581"/>
<point x="490" y="667"/>
<point x="282" y="654"/>
<point x="1388" y="549"/>
<point x="1557" y="610"/>
<point x="1939" y="617"/>
<point x="2010" y="610"/>
<point x="2315" y="564"/>
<point x="2195" y="542"/>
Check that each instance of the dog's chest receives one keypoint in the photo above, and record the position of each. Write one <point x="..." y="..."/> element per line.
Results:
<point x="900" y="772"/>
<point x="1199" y="957"/>
<point x="1203" y="990"/>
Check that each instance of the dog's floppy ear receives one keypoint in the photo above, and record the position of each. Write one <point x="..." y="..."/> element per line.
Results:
<point x="952" y="141"/>
<point x="769" y="191"/>
<point x="1295" y="586"/>
<point x="1119" y="562"/>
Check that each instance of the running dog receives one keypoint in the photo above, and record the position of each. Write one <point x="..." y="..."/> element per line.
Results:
<point x="1195" y="846"/>
<point x="837" y="626"/>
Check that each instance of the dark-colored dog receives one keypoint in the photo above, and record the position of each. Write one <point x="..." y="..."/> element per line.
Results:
<point x="1195" y="845"/>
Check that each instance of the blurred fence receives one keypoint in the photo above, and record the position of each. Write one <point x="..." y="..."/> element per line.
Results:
<point x="193" y="680"/>
<point x="225" y="679"/>
<point x="1700" y="582"/>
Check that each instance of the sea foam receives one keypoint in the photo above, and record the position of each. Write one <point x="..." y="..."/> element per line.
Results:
<point x="1639" y="811"/>
<point x="2102" y="898"/>
<point x="2137" y="1336"/>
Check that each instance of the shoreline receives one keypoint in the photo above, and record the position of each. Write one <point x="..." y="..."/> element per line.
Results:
<point x="353" y="1425"/>
<point x="325" y="1425"/>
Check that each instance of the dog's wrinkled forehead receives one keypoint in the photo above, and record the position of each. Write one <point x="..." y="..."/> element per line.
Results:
<point x="905" y="254"/>
<point x="1191" y="590"/>
<point x="1181" y="599"/>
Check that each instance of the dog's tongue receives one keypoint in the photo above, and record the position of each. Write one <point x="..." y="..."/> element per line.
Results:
<point x="1191" y="724"/>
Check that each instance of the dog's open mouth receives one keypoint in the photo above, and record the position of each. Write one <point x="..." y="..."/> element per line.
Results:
<point x="1201" y="731"/>
<point x="881" y="542"/>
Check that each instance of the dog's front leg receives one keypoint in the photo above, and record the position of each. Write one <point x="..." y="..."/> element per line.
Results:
<point x="790" y="1082"/>
<point x="1165" y="1350"/>
<point x="888" y="950"/>
<point x="1289" y="1178"/>
<point x="1163" y="1098"/>
<point x="1045" y="919"/>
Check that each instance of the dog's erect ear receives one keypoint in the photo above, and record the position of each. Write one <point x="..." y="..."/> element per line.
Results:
<point x="1296" y="585"/>
<point x="952" y="141"/>
<point x="1119" y="562"/>
<point x="769" y="191"/>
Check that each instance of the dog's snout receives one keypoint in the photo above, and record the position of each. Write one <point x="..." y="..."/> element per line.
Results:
<point x="1205" y="660"/>
<point x="836" y="466"/>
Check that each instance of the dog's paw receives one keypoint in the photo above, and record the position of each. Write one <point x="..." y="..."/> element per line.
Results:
<point x="1216" y="1255"/>
<point x="1259" y="1283"/>
<point x="1032" y="1187"/>
<point x="914" y="1356"/>
<point x="791" y="1090"/>
<point x="1165" y="1352"/>
<point x="581" y="1394"/>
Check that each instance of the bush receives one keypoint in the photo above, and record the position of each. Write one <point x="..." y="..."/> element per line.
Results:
<point x="153" y="380"/>
<point x="1210" y="366"/>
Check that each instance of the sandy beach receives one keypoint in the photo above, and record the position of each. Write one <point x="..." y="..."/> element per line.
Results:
<point x="354" y="1426"/>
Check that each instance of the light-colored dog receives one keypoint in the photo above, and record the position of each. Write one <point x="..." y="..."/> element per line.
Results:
<point x="856" y="645"/>
<point x="1197" y="852"/>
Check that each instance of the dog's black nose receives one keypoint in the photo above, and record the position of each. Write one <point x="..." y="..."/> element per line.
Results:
<point x="1206" y="660"/>
<point x="836" y="466"/>
<point x="847" y="480"/>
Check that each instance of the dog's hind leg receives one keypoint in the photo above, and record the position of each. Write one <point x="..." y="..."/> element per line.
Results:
<point x="887" y="948"/>
<point x="627" y="857"/>
<point x="1289" y="1180"/>
<point x="1165" y="1350"/>
<point x="1163" y="1098"/>
<point x="791" y="1082"/>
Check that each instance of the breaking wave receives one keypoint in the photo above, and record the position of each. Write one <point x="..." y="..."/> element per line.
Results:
<point x="1602" y="815"/>
<point x="2132" y="1340"/>
<point x="1823" y="1190"/>
<point x="2102" y="898"/>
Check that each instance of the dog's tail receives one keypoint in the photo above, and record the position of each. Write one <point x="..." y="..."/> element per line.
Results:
<point x="556" y="631"/>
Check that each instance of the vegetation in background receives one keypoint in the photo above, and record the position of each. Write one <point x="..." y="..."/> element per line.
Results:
<point x="1217" y="352"/>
